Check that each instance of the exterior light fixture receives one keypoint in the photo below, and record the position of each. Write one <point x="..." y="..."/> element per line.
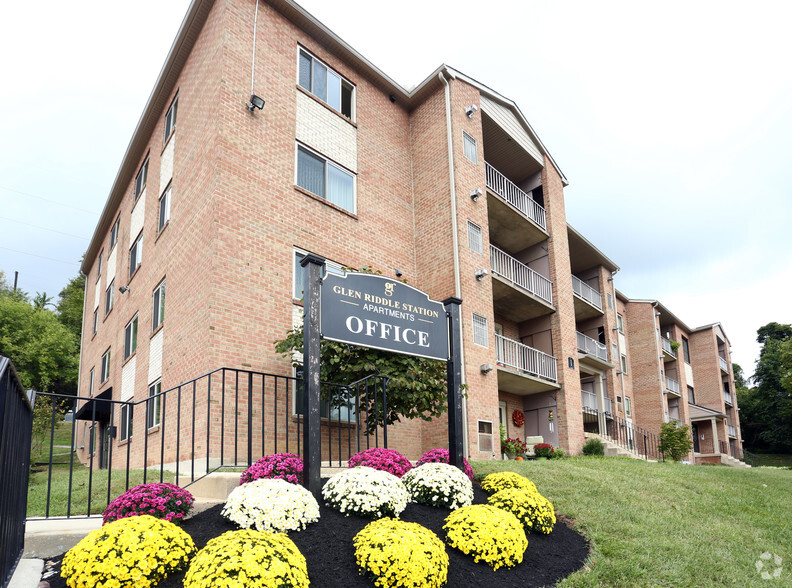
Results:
<point x="480" y="273"/>
<point x="399" y="273"/>
<point x="123" y="289"/>
<point x="486" y="368"/>
<point x="256" y="102"/>
<point x="476" y="194"/>
<point x="471" y="110"/>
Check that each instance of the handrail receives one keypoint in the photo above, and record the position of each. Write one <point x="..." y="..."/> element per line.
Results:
<point x="586" y="292"/>
<point x="520" y="274"/>
<point x="672" y="385"/>
<point x="526" y="359"/>
<point x="588" y="345"/>
<point x="518" y="198"/>
<point x="667" y="347"/>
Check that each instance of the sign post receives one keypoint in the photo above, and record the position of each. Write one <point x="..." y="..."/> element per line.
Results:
<point x="312" y="450"/>
<point x="454" y="382"/>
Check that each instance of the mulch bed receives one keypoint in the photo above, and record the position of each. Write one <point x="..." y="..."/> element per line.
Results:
<point x="327" y="547"/>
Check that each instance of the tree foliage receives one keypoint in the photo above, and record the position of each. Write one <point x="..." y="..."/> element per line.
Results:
<point x="70" y="305"/>
<point x="675" y="440"/>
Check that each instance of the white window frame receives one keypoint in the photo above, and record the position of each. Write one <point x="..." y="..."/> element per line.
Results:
<point x="91" y="382"/>
<point x="475" y="237"/>
<point x="330" y="267"/>
<point x="109" y="297"/>
<point x="480" y="330"/>
<point x="95" y="320"/>
<point x="170" y="119"/>
<point x="342" y="82"/>
<point x="470" y="147"/>
<point x="154" y="406"/>
<point x="125" y="422"/>
<point x="114" y="233"/>
<point x="99" y="265"/>
<point x="158" y="306"/>
<point x="627" y="406"/>
<point x="136" y="254"/>
<point x="105" y="369"/>
<point x="164" y="215"/>
<point x="486" y="437"/>
<point x="327" y="163"/>
<point x="141" y="178"/>
<point x="620" y="323"/>
<point x="623" y="359"/>
<point x="130" y="337"/>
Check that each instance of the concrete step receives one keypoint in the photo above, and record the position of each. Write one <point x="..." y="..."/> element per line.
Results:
<point x="614" y="449"/>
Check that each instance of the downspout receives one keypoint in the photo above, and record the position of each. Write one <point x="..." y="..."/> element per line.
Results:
<point x="455" y="242"/>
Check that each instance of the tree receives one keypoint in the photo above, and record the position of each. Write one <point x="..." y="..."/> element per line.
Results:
<point x="775" y="331"/>
<point x="739" y="377"/>
<point x="675" y="440"/>
<point x="70" y="305"/>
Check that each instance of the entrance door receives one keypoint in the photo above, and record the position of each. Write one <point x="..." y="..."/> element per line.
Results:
<point x="694" y="430"/>
<point x="537" y="422"/>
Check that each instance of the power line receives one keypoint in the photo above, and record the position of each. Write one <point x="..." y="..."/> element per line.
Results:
<point x="40" y="256"/>
<point x="43" y="228"/>
<point x="47" y="200"/>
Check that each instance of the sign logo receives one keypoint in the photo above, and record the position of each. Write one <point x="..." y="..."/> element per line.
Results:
<point x="381" y="313"/>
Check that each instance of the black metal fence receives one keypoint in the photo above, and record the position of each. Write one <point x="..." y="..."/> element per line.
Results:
<point x="227" y="418"/>
<point x="625" y="434"/>
<point x="16" y="418"/>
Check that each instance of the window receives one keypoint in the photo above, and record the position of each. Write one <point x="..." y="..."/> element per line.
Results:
<point x="109" y="297"/>
<point x="114" y="233"/>
<point x="154" y="405"/>
<point x="686" y="349"/>
<point x="299" y="272"/>
<point x="470" y="147"/>
<point x="325" y="84"/>
<point x="158" y="313"/>
<point x="610" y="300"/>
<point x="322" y="177"/>
<point x="627" y="406"/>
<point x="91" y="382"/>
<point x="96" y="320"/>
<point x="474" y="238"/>
<point x="140" y="180"/>
<point x="170" y="120"/>
<point x="164" y="208"/>
<point x="480" y="336"/>
<point x="130" y="337"/>
<point x="126" y="421"/>
<point x="485" y="436"/>
<point x="135" y="255"/>
<point x="691" y="395"/>
<point x="624" y="363"/>
<point x="620" y="323"/>
<point x="105" y="370"/>
<point x="99" y="266"/>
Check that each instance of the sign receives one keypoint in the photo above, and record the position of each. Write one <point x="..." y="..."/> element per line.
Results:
<point x="382" y="313"/>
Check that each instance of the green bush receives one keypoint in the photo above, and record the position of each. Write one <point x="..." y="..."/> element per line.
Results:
<point x="560" y="452"/>
<point x="675" y="440"/>
<point x="594" y="447"/>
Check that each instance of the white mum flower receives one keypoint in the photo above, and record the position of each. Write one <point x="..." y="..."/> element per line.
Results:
<point x="366" y="491"/>
<point x="271" y="505"/>
<point x="439" y="484"/>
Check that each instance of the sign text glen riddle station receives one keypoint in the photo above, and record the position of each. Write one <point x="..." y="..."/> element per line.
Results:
<point x="382" y="313"/>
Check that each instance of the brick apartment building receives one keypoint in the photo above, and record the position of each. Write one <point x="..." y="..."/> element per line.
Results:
<point x="194" y="264"/>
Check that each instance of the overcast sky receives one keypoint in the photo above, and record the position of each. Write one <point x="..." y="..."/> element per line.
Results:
<point x="671" y="121"/>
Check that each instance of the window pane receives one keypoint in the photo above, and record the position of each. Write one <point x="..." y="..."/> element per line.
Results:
<point x="480" y="335"/>
<point x="310" y="172"/>
<point x="164" y="209"/>
<point x="334" y="90"/>
<point x="470" y="147"/>
<point x="474" y="238"/>
<point x="346" y="99"/>
<point x="305" y="71"/>
<point x="320" y="81"/>
<point x="340" y="188"/>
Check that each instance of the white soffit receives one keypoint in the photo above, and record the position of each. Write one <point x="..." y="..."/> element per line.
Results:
<point x="506" y="120"/>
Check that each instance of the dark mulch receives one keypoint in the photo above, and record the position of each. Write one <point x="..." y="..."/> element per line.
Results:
<point x="327" y="547"/>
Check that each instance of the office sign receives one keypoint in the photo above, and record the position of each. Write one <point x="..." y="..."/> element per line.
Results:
<point x="382" y="313"/>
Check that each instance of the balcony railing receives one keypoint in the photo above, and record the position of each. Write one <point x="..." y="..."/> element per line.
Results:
<point x="723" y="365"/>
<point x="526" y="359"/>
<point x="727" y="397"/>
<point x="672" y="385"/>
<point x="667" y="347"/>
<point x="586" y="292"/>
<point x="592" y="347"/>
<point x="589" y="400"/>
<point x="508" y="191"/>
<point x="732" y="431"/>
<point x="608" y="406"/>
<point x="520" y="274"/>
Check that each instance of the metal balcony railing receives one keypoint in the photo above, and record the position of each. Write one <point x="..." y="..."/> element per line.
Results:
<point x="608" y="405"/>
<point x="589" y="400"/>
<point x="592" y="347"/>
<point x="586" y="292"/>
<point x="520" y="274"/>
<point x="509" y="192"/>
<point x="732" y="431"/>
<point x="723" y="364"/>
<point x="727" y="397"/>
<point x="672" y="385"/>
<point x="526" y="359"/>
<point x="667" y="347"/>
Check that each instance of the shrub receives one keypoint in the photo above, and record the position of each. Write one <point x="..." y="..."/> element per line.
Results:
<point x="559" y="452"/>
<point x="367" y="492"/>
<point x="162" y="501"/>
<point x="135" y="551"/>
<point x="442" y="456"/>
<point x="271" y="505"/>
<point x="594" y="447"/>
<point x="502" y="480"/>
<point x="675" y="440"/>
<point x="386" y="460"/>
<point x="286" y="466"/>
<point x="533" y="510"/>
<point x="544" y="450"/>
<point x="248" y="558"/>
<point x="396" y="553"/>
<point x="439" y="484"/>
<point x="514" y="447"/>
<point x="489" y="534"/>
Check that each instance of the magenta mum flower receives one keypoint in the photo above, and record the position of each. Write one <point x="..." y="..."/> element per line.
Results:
<point x="387" y="460"/>
<point x="286" y="466"/>
<point x="440" y="455"/>
<point x="161" y="500"/>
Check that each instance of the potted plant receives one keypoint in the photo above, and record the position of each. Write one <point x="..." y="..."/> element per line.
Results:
<point x="513" y="447"/>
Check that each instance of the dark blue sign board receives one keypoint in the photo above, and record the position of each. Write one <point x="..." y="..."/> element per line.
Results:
<point x="381" y="313"/>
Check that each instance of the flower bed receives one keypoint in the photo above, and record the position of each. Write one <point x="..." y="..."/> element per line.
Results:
<point x="286" y="466"/>
<point x="502" y="480"/>
<point x="367" y="492"/>
<point x="386" y="460"/>
<point x="533" y="510"/>
<point x="442" y="456"/>
<point x="439" y="484"/>
<point x="135" y="551"/>
<point x="162" y="501"/>
<point x="271" y="505"/>
<point x="248" y="558"/>
<point x="399" y="554"/>
<point x="489" y="534"/>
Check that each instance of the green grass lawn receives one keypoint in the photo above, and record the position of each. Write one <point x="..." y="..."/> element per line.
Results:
<point x="666" y="524"/>
<point x="776" y="460"/>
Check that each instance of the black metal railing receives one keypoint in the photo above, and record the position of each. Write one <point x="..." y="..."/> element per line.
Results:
<point x="626" y="435"/>
<point x="751" y="459"/>
<point x="16" y="420"/>
<point x="227" y="418"/>
<point x="724" y="447"/>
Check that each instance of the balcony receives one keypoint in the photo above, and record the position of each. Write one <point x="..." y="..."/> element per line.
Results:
<point x="589" y="401"/>
<point x="517" y="220"/>
<point x="593" y="350"/>
<point x="672" y="387"/>
<point x="668" y="350"/>
<point x="727" y="397"/>
<point x="524" y="370"/>
<point x="732" y="431"/>
<point x="608" y="406"/>
<point x="519" y="293"/>
<point x="588" y="302"/>
<point x="724" y="366"/>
